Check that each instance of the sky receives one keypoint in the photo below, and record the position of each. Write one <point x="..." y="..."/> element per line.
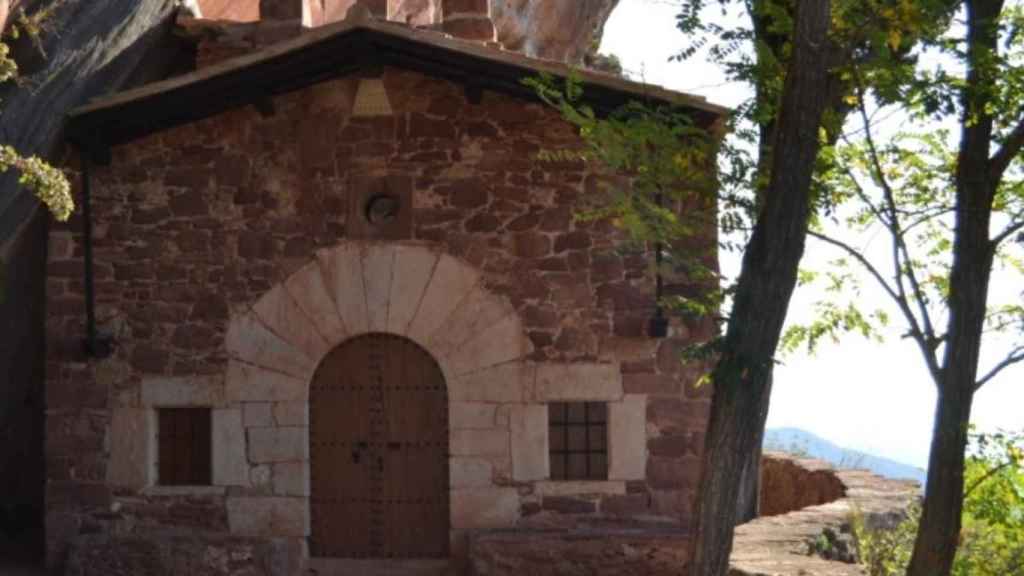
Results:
<point x="860" y="394"/>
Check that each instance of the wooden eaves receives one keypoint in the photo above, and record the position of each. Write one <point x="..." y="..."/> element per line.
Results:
<point x="333" y="51"/>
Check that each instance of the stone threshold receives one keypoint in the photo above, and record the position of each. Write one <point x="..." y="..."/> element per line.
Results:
<point x="378" y="567"/>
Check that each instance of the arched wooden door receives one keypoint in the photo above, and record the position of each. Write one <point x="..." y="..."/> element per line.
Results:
<point x="378" y="449"/>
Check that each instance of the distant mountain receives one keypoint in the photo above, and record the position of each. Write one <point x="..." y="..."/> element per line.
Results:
<point x="804" y="443"/>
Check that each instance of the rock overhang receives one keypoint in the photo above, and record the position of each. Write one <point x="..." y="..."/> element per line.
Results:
<point x="356" y="45"/>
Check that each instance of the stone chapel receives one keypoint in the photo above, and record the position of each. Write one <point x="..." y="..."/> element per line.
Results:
<point x="339" y="318"/>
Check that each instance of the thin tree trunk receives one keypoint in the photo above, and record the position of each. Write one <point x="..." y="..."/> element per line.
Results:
<point x="939" y="531"/>
<point x="742" y="378"/>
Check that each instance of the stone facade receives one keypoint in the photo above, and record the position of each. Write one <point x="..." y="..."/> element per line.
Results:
<point x="226" y="269"/>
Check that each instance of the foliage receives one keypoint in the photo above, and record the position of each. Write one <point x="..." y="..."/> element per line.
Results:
<point x="873" y="55"/>
<point x="903" y="183"/>
<point x="992" y="538"/>
<point x="49" y="184"/>
<point x="607" y="63"/>
<point x="951" y="211"/>
<point x="668" y="161"/>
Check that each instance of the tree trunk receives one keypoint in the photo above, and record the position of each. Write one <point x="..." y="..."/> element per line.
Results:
<point x="939" y="530"/>
<point x="742" y="378"/>
<point x="973" y="251"/>
<point x="748" y="502"/>
<point x="91" y="47"/>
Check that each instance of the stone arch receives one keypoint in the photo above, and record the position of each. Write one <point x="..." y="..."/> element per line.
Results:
<point x="433" y="299"/>
<point x="410" y="290"/>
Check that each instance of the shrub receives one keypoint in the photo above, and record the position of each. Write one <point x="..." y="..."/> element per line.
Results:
<point x="992" y="535"/>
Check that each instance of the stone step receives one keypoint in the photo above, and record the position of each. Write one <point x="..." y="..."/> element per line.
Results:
<point x="378" y="567"/>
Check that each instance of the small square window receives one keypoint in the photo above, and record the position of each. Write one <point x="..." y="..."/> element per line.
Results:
<point x="578" y="440"/>
<point x="184" y="447"/>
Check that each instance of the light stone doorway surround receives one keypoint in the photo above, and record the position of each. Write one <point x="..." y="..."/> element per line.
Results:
<point x="358" y="288"/>
<point x="497" y="398"/>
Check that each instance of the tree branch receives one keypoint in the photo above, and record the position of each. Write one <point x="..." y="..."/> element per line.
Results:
<point x="927" y="217"/>
<point x="1006" y="153"/>
<point x="923" y="340"/>
<point x="1007" y="232"/>
<point x="974" y="486"/>
<point x="1013" y="358"/>
<point x="899" y="244"/>
<point x="859" y="258"/>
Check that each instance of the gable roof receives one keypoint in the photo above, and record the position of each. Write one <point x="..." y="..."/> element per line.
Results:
<point x="336" y="50"/>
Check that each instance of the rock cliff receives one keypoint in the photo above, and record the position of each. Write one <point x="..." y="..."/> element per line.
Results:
<point x="555" y="30"/>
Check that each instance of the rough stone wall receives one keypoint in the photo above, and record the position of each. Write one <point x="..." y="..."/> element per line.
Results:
<point x="174" y="555"/>
<point x="194" y="225"/>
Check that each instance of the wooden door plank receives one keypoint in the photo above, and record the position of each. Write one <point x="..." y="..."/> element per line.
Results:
<point x="379" y="399"/>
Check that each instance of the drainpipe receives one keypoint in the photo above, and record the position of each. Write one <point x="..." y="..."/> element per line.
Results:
<point x="658" y="326"/>
<point x="95" y="345"/>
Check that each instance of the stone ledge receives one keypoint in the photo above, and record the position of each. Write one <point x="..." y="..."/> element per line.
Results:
<point x="605" y="547"/>
<point x="184" y="491"/>
<point x="171" y="554"/>
<point x="778" y="545"/>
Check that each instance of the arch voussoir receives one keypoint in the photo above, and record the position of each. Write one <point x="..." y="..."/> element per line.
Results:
<point x="279" y="312"/>
<point x="378" y="265"/>
<point x="342" y="269"/>
<point x="307" y="288"/>
<point x="250" y="341"/>
<point x="451" y="282"/>
<point x="413" y="269"/>
<point x="477" y="312"/>
<point x="502" y="342"/>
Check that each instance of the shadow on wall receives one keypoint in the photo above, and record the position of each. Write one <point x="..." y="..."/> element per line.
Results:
<point x="22" y="320"/>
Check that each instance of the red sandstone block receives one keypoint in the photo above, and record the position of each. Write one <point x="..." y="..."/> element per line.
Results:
<point x="673" y="473"/>
<point x="532" y="245"/>
<point x="626" y="505"/>
<point x="421" y="126"/>
<point x="578" y="240"/>
<point x="146" y="216"/>
<point x="557" y="219"/>
<point x="677" y="413"/>
<point x="450" y="7"/>
<point x="523" y="223"/>
<point x="149" y="359"/>
<point x="566" y="505"/>
<point x="650" y="384"/>
<point x="674" y="446"/>
<point x="553" y="264"/>
<point x="540" y="340"/>
<point x="483" y="223"/>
